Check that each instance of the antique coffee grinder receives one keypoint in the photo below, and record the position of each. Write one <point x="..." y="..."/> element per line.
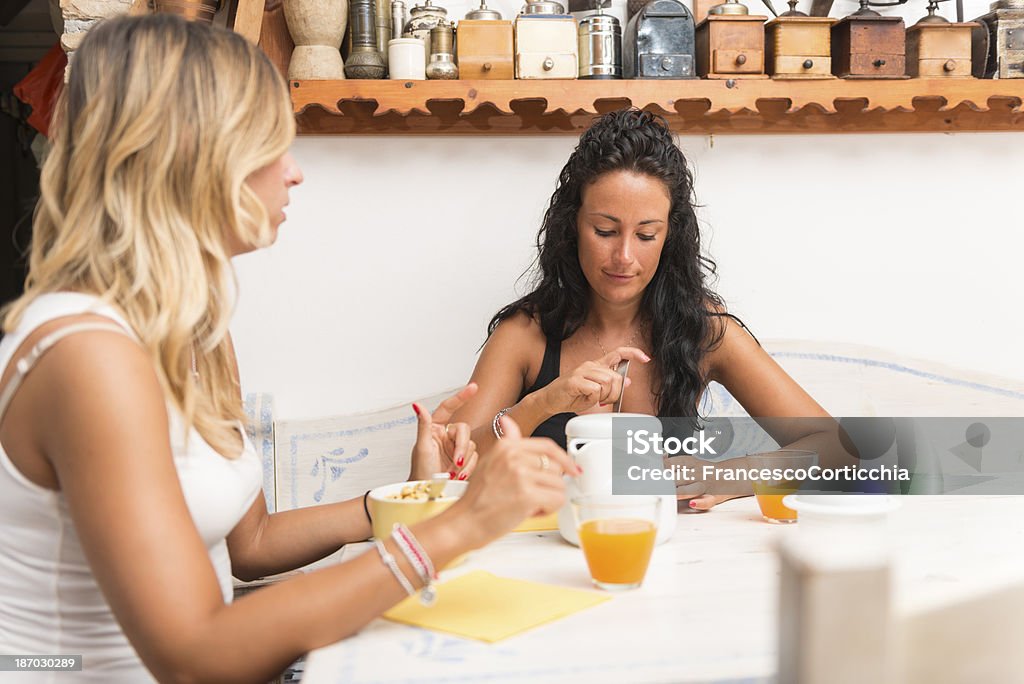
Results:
<point x="600" y="45"/>
<point x="545" y="42"/>
<point x="423" y="18"/>
<point x="659" y="42"/>
<point x="799" y="47"/>
<point x="730" y="43"/>
<point x="364" y="61"/>
<point x="1001" y="44"/>
<point x="484" y="47"/>
<point x="938" y="48"/>
<point x="868" y="45"/>
<point x="442" y="60"/>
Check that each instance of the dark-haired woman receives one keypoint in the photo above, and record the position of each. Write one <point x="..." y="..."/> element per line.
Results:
<point x="620" y="275"/>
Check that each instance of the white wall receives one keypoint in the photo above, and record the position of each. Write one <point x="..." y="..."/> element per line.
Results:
<point x="398" y="250"/>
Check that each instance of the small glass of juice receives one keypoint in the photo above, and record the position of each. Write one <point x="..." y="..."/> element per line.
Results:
<point x="617" y="537"/>
<point x="786" y="470"/>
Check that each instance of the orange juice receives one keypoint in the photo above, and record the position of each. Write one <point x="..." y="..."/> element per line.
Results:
<point x="769" y="499"/>
<point x="617" y="549"/>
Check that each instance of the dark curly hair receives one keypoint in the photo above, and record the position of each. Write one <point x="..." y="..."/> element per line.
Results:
<point x="680" y="310"/>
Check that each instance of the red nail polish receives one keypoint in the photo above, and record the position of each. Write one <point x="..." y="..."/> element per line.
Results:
<point x="459" y="461"/>
<point x="451" y="475"/>
<point x="462" y="476"/>
<point x="693" y="504"/>
<point x="416" y="409"/>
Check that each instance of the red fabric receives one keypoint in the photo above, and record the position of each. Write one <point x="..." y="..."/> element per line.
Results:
<point x="41" y="86"/>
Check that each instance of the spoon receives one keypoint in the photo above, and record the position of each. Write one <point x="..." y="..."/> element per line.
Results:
<point x="435" y="489"/>
<point x="621" y="369"/>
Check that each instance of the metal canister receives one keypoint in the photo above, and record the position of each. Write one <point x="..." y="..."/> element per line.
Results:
<point x="382" y="26"/>
<point x="399" y="16"/>
<point x="600" y="47"/>
<point x="364" y="61"/>
<point x="659" y="42"/>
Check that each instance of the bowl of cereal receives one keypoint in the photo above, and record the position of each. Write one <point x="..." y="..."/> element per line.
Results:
<point x="408" y="503"/>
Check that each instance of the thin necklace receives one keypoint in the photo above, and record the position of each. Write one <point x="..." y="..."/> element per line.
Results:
<point x="631" y="343"/>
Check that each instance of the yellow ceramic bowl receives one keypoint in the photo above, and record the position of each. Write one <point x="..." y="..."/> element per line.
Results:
<point x="385" y="511"/>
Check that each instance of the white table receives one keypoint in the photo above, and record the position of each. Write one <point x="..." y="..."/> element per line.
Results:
<point x="707" y="610"/>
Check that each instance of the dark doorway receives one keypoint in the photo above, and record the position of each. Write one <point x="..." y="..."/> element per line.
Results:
<point x="26" y="34"/>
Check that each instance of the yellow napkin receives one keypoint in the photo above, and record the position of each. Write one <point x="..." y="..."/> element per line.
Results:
<point x="541" y="523"/>
<point x="479" y="605"/>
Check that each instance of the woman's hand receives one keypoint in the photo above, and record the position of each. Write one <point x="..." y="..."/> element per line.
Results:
<point x="703" y="494"/>
<point x="591" y="384"/>
<point x="519" y="478"/>
<point x="705" y="502"/>
<point x="442" y="446"/>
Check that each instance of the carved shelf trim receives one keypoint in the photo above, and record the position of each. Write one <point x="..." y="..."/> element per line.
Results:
<point x="692" y="106"/>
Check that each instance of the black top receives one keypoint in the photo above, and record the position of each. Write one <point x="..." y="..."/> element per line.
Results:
<point x="553" y="427"/>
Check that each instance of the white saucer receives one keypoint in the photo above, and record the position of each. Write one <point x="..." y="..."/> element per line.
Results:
<point x="842" y="505"/>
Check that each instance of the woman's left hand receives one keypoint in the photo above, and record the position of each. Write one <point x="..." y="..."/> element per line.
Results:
<point x="442" y="446"/>
<point x="700" y="494"/>
<point x="705" y="502"/>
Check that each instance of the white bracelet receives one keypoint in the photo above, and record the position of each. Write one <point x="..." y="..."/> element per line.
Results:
<point x="389" y="561"/>
<point x="496" y="423"/>
<point x="418" y="559"/>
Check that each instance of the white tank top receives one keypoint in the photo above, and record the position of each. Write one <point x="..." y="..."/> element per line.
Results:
<point x="50" y="603"/>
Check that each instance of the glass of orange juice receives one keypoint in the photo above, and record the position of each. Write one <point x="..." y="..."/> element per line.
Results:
<point x="788" y="469"/>
<point x="617" y="536"/>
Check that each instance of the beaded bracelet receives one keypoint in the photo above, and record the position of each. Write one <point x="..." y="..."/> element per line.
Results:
<point x="418" y="559"/>
<point x="392" y="565"/>
<point x="496" y="423"/>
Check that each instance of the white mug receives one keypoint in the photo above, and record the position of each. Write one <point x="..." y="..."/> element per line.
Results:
<point x="406" y="57"/>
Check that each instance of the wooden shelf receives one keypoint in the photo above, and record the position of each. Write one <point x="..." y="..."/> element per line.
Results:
<point x="693" y="106"/>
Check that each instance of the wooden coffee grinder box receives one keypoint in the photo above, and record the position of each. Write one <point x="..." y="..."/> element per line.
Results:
<point x="868" y="45"/>
<point x="546" y="43"/>
<point x="484" y="47"/>
<point x="798" y="47"/>
<point x="730" y="43"/>
<point x="938" y="48"/>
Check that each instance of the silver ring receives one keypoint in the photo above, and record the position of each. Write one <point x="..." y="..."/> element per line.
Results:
<point x="544" y="461"/>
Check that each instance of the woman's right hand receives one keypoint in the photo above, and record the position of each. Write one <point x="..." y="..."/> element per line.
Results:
<point x="591" y="384"/>
<point x="519" y="478"/>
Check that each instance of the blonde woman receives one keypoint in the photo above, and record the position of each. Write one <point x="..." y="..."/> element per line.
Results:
<point x="128" y="494"/>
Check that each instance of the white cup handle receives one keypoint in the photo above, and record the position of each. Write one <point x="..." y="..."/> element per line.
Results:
<point x="575" y="441"/>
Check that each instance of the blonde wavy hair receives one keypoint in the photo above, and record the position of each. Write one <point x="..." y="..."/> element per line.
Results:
<point x="144" y="186"/>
